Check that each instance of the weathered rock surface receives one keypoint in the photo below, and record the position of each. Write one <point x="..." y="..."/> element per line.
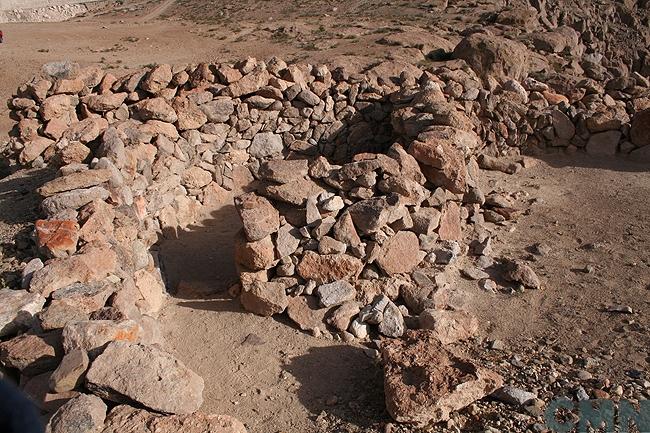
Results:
<point x="258" y="216"/>
<point x="335" y="293"/>
<point x="32" y="354"/>
<point x="449" y="326"/>
<point x="400" y="254"/>
<point x="127" y="419"/>
<point x="127" y="372"/>
<point x="82" y="414"/>
<point x="264" y="298"/>
<point x="424" y="382"/>
<point x="328" y="268"/>
<point x="17" y="310"/>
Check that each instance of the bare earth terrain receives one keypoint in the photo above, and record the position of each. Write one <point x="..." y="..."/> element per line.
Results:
<point x="591" y="213"/>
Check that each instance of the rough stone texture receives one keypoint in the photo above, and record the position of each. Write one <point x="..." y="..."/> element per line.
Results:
<point x="258" y="216"/>
<point x="640" y="130"/>
<point x="306" y="313"/>
<point x="57" y="238"/>
<point x="282" y="171"/>
<point x="335" y="293"/>
<point x="424" y="382"/>
<point x="449" y="326"/>
<point x="83" y="414"/>
<point x="32" y="354"/>
<point x="154" y="109"/>
<point x="295" y="192"/>
<point x="343" y="315"/>
<point x="73" y="199"/>
<point x="127" y="372"/>
<point x="127" y="419"/>
<point x="392" y="324"/>
<point x="444" y="163"/>
<point x="78" y="180"/>
<point x="256" y="255"/>
<point x="604" y="143"/>
<point x="328" y="268"/>
<point x="522" y="273"/>
<point x="151" y="291"/>
<point x="264" y="298"/>
<point x="494" y="56"/>
<point x="400" y="253"/>
<point x="17" y="310"/>
<point x="93" y="263"/>
<point x="70" y="372"/>
<point x="266" y="144"/>
<point x="93" y="335"/>
<point x="450" y="228"/>
<point x="515" y="396"/>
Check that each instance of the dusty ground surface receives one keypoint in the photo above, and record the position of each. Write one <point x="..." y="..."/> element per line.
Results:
<point x="263" y="371"/>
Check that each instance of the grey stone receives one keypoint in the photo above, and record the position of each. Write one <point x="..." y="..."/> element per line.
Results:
<point x="17" y="310"/>
<point x="83" y="414"/>
<point x="392" y="324"/>
<point x="512" y="395"/>
<point x="335" y="293"/>
<point x="266" y="144"/>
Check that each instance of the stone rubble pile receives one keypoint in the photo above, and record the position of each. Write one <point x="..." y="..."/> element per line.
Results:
<point x="362" y="189"/>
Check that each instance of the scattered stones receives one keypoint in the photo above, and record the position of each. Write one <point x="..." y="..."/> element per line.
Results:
<point x="521" y="273"/>
<point x="142" y="155"/>
<point x="515" y="396"/>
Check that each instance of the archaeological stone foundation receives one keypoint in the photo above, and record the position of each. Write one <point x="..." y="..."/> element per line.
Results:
<point x="354" y="191"/>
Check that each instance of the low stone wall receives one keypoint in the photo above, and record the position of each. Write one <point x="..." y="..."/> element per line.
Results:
<point x="362" y="188"/>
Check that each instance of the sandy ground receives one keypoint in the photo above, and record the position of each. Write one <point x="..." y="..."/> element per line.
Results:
<point x="278" y="379"/>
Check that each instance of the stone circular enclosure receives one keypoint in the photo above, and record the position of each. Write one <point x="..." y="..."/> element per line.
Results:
<point x="354" y="191"/>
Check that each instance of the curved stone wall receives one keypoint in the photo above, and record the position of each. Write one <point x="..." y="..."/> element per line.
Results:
<point x="361" y="189"/>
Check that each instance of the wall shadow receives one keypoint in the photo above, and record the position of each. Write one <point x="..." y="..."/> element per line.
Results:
<point x="582" y="160"/>
<point x="343" y="381"/>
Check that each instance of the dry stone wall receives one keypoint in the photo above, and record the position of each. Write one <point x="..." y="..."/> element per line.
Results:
<point x="361" y="189"/>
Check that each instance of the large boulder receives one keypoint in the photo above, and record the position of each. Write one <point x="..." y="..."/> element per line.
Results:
<point x="494" y="57"/>
<point x="424" y="383"/>
<point x="127" y="372"/>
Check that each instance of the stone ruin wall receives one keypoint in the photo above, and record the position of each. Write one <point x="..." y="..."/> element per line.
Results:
<point x="355" y="181"/>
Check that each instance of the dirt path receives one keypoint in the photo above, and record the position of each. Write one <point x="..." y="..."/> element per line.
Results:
<point x="158" y="10"/>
